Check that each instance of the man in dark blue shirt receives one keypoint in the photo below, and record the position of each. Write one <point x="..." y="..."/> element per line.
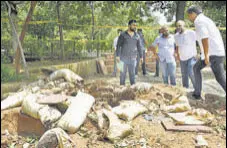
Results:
<point x="128" y="46"/>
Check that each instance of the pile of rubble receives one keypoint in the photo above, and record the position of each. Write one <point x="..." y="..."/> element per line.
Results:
<point x="62" y="102"/>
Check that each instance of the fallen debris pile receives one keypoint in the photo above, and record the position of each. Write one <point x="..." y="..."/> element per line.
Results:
<point x="64" y="105"/>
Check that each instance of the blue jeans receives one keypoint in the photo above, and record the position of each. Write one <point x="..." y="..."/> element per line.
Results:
<point x="168" y="69"/>
<point x="187" y="71"/>
<point x="157" y="68"/>
<point x="130" y="65"/>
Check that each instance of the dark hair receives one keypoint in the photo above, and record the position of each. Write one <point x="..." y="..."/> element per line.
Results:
<point x="195" y="9"/>
<point x="131" y="21"/>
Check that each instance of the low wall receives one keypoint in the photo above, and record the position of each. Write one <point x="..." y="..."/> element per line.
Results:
<point x="84" y="69"/>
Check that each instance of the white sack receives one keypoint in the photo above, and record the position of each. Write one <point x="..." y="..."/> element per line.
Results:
<point x="142" y="87"/>
<point x="76" y="113"/>
<point x="14" y="100"/>
<point x="128" y="110"/>
<point x="48" y="115"/>
<point x="30" y="107"/>
<point x="117" y="130"/>
<point x="67" y="74"/>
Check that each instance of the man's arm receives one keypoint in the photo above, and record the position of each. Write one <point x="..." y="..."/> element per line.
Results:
<point x="119" y="45"/>
<point x="177" y="52"/>
<point x="206" y="48"/>
<point x="139" y="48"/>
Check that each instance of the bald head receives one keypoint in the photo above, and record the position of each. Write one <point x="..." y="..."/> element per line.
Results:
<point x="180" y="26"/>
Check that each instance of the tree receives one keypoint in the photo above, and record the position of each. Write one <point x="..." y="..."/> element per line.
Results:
<point x="60" y="30"/>
<point x="17" y="39"/>
<point x="180" y="10"/>
<point x="17" y="57"/>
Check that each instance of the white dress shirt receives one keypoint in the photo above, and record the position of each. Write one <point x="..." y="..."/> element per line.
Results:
<point x="115" y="42"/>
<point x="206" y="28"/>
<point x="165" y="48"/>
<point x="186" y="43"/>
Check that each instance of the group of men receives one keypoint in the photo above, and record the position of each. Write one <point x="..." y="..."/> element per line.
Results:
<point x="130" y="49"/>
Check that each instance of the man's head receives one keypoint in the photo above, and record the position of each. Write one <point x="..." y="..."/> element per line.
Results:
<point x="193" y="12"/>
<point x="180" y="26"/>
<point x="165" y="31"/>
<point x="132" y="25"/>
<point x="160" y="31"/>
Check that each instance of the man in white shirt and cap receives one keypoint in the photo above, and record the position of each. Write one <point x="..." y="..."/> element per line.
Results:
<point x="212" y="49"/>
<point x="186" y="52"/>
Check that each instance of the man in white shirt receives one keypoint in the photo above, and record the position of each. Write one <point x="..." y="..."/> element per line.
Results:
<point x="115" y="48"/>
<point x="165" y="55"/>
<point x="160" y="31"/>
<point x="212" y="49"/>
<point x="186" y="52"/>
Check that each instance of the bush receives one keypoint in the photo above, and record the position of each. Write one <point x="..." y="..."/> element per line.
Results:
<point x="8" y="74"/>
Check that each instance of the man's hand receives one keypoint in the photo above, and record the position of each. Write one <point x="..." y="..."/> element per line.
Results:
<point x="207" y="60"/>
<point x="141" y="60"/>
<point x="157" y="57"/>
<point x="118" y="59"/>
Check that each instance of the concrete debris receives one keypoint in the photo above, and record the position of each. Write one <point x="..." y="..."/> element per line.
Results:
<point x="200" y="142"/>
<point x="55" y="138"/>
<point x="179" y="104"/>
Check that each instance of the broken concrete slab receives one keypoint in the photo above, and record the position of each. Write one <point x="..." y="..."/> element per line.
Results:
<point x="29" y="126"/>
<point x="184" y="118"/>
<point x="169" y="126"/>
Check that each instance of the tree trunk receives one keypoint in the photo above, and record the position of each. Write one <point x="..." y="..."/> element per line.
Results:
<point x="93" y="24"/>
<point x="18" y="40"/>
<point x="180" y="10"/>
<point x="22" y="35"/>
<point x="60" y="31"/>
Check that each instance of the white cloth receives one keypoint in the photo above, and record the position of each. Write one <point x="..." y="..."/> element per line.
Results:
<point x="186" y="43"/>
<point x="206" y="28"/>
<point x="115" y="42"/>
<point x="165" y="48"/>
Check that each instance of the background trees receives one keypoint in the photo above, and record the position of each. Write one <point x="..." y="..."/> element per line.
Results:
<point x="72" y="29"/>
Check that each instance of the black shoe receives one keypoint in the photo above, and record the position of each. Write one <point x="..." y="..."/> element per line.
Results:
<point x="156" y="75"/>
<point x="197" y="97"/>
